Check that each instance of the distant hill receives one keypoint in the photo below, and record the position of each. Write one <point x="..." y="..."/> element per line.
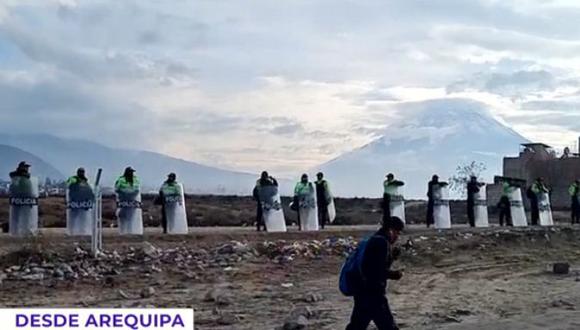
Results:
<point x="68" y="154"/>
<point x="432" y="138"/>
<point x="11" y="156"/>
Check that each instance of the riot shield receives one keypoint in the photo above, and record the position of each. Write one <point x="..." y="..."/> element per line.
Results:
<point x="545" y="210"/>
<point x="480" y="211"/>
<point x="272" y="208"/>
<point x="23" y="206"/>
<point x="308" y="210"/>
<point x="517" y="208"/>
<point x="441" y="207"/>
<point x="397" y="203"/>
<point x="175" y="212"/>
<point x="129" y="212"/>
<point x="331" y="211"/>
<point x="80" y="214"/>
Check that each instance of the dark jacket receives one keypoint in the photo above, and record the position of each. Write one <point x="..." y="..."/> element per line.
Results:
<point x="321" y="193"/>
<point x="270" y="181"/>
<point x="430" y="187"/>
<point x="376" y="264"/>
<point x="472" y="189"/>
<point x="17" y="173"/>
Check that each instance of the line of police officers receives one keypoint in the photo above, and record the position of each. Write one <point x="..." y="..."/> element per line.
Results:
<point x="323" y="195"/>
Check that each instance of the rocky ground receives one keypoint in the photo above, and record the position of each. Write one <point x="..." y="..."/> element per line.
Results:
<point x="235" y="278"/>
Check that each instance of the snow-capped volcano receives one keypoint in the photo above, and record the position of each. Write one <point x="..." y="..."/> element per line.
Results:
<point x="433" y="137"/>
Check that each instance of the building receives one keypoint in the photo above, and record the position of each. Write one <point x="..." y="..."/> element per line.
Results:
<point x="540" y="160"/>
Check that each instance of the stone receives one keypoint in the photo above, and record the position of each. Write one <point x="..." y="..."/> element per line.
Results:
<point x="150" y="250"/>
<point x="58" y="273"/>
<point x="147" y="292"/>
<point x="227" y="319"/>
<point x="219" y="297"/>
<point x="123" y="294"/>
<point x="313" y="297"/>
<point x="561" y="268"/>
<point x="33" y="277"/>
<point x="302" y="311"/>
<point x="296" y="323"/>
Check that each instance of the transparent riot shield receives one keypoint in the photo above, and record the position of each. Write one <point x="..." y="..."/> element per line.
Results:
<point x="308" y="210"/>
<point x="397" y="203"/>
<point x="23" y="206"/>
<point x="331" y="211"/>
<point x="545" y="210"/>
<point x="517" y="208"/>
<point x="129" y="213"/>
<point x="175" y="212"/>
<point x="481" y="216"/>
<point x="272" y="209"/>
<point x="441" y="212"/>
<point x="80" y="213"/>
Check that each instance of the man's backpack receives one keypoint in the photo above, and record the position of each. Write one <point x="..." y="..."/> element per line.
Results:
<point x="351" y="277"/>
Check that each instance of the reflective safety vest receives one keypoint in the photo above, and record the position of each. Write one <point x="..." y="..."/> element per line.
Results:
<point x="123" y="185"/>
<point x="390" y="186"/>
<point x="172" y="188"/>
<point x="538" y="188"/>
<point x="507" y="189"/>
<point x="76" y="180"/>
<point x="303" y="188"/>
<point x="573" y="190"/>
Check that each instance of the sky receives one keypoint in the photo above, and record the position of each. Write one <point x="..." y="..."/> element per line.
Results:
<point x="283" y="85"/>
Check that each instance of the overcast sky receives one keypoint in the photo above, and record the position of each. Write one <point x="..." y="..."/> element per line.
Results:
<point x="283" y="85"/>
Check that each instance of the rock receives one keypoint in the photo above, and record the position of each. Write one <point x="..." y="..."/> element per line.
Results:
<point x="561" y="268"/>
<point x="463" y="312"/>
<point x="227" y="319"/>
<point x="123" y="295"/>
<point x="313" y="297"/>
<point x="297" y="323"/>
<point x="218" y="296"/>
<point x="301" y="311"/>
<point x="450" y="318"/>
<point x="65" y="268"/>
<point x="58" y="273"/>
<point x="33" y="277"/>
<point x="150" y="250"/>
<point x="563" y="304"/>
<point x="147" y="292"/>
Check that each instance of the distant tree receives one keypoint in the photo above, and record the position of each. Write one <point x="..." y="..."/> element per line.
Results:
<point x="463" y="172"/>
<point x="47" y="182"/>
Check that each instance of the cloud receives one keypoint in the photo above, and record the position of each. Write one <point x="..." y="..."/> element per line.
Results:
<point x="225" y="82"/>
<point x="514" y="84"/>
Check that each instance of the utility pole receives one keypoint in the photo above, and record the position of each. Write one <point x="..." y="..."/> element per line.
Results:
<point x="97" y="237"/>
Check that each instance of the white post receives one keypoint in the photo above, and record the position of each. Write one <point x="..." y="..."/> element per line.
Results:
<point x="97" y="237"/>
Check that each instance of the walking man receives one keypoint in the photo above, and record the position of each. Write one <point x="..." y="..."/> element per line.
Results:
<point x="370" y="301"/>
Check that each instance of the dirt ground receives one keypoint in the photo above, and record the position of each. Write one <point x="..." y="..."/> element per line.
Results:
<point x="463" y="278"/>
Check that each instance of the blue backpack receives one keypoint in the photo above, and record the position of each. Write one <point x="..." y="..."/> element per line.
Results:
<point x="351" y="277"/>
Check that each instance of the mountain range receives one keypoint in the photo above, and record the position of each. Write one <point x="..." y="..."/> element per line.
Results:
<point x="432" y="137"/>
<point x="67" y="155"/>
